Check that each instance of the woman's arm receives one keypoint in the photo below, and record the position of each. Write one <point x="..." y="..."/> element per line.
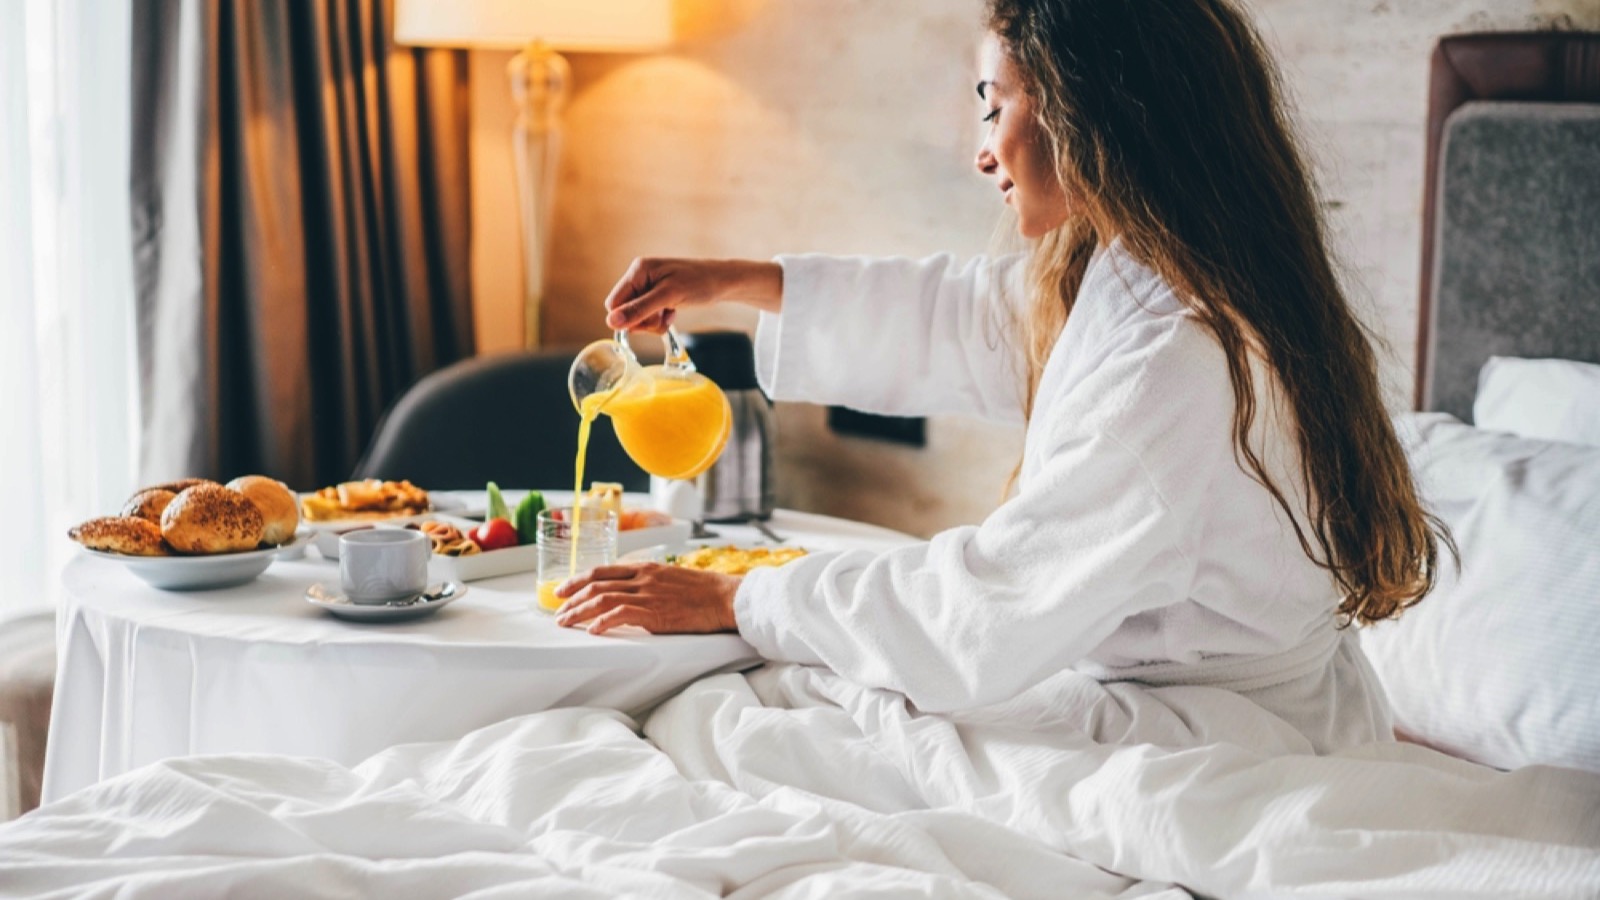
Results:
<point x="980" y="613"/>
<point x="896" y="336"/>
<point x="650" y="293"/>
<point x="891" y="336"/>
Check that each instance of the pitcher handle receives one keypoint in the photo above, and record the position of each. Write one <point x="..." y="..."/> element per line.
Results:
<point x="676" y="357"/>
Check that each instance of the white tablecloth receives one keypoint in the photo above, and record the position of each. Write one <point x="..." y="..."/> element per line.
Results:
<point x="146" y="675"/>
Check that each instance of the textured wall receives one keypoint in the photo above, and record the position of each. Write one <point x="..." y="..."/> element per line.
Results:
<point x="849" y="126"/>
<point x="1358" y="72"/>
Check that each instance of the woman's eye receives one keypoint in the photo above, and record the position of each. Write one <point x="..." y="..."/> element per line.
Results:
<point x="993" y="114"/>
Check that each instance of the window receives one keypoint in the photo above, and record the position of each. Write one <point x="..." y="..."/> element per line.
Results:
<point x="68" y="419"/>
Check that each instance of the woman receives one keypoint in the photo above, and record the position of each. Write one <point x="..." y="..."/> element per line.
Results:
<point x="1210" y="487"/>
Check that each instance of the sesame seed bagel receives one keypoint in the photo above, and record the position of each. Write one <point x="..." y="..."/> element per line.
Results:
<point x="149" y="504"/>
<point x="209" y="518"/>
<point x="121" y="534"/>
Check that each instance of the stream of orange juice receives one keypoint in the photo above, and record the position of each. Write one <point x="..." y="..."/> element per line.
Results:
<point x="591" y="410"/>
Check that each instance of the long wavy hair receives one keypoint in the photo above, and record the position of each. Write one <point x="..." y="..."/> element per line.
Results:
<point x="1169" y="133"/>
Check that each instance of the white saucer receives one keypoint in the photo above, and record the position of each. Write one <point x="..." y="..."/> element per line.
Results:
<point x="436" y="597"/>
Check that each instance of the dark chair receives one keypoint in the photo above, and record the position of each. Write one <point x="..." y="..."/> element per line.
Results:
<point x="505" y="418"/>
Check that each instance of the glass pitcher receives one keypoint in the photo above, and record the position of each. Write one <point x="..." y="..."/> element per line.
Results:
<point x="672" y="421"/>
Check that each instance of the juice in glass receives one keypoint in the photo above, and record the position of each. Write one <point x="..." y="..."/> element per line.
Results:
<point x="565" y="549"/>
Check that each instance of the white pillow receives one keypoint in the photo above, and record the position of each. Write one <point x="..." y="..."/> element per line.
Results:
<point x="1501" y="663"/>
<point x="1550" y="399"/>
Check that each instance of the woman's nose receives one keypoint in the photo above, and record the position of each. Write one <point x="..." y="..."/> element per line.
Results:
<point x="987" y="164"/>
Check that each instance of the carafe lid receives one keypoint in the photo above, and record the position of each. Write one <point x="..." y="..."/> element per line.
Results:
<point x="725" y="357"/>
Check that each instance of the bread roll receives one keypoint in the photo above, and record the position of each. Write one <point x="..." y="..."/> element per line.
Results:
<point x="182" y="484"/>
<point x="149" y="504"/>
<point x="121" y="534"/>
<point x="279" y="506"/>
<point x="209" y="518"/>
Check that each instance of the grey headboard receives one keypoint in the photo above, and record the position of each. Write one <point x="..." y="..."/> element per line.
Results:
<point x="1517" y="245"/>
<point x="1511" y="208"/>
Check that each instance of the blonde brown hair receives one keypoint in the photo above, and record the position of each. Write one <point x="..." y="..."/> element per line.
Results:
<point x="1169" y="133"/>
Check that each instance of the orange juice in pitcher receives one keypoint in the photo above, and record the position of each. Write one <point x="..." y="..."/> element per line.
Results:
<point x="672" y="421"/>
<point x="674" y="424"/>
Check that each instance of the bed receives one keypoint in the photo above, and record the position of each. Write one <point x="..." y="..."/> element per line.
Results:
<point x="1500" y="667"/>
<point x="789" y="781"/>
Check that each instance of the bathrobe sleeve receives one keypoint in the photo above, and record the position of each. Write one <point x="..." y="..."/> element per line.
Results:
<point x="1107" y="526"/>
<point x="895" y="336"/>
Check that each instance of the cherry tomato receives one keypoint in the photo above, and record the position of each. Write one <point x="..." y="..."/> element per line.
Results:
<point x="495" y="534"/>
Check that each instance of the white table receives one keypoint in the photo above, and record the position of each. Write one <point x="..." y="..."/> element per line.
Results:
<point x="146" y="675"/>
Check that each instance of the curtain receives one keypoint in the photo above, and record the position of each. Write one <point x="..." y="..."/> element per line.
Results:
<point x="66" y="294"/>
<point x="300" y="230"/>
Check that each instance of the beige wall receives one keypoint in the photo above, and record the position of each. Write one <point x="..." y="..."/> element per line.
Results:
<point x="848" y="126"/>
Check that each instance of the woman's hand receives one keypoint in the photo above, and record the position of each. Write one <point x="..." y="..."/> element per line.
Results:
<point x="658" y="598"/>
<point x="653" y="290"/>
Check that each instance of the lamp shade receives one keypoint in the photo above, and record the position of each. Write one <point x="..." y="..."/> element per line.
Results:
<point x="511" y="24"/>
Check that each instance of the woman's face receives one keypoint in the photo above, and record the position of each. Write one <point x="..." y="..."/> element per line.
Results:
<point x="1016" y="152"/>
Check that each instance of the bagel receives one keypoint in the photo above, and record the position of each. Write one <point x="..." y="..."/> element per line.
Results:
<point x="209" y="518"/>
<point x="280" y="508"/>
<point x="128" y="535"/>
<point x="149" y="504"/>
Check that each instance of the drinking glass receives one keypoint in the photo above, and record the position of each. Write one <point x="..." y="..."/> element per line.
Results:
<point x="565" y="551"/>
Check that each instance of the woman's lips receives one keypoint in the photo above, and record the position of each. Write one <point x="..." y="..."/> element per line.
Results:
<point x="1005" y="188"/>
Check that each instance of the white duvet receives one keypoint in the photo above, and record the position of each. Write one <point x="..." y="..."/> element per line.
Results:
<point x="792" y="782"/>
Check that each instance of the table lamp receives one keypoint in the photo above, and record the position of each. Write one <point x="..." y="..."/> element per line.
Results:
<point x="539" y="83"/>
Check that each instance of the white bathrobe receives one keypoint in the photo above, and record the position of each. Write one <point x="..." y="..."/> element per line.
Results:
<point x="1136" y="549"/>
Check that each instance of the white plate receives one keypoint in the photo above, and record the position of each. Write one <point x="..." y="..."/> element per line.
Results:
<point x="478" y="566"/>
<point x="525" y="558"/>
<point x="193" y="573"/>
<point x="440" y="502"/>
<point x="660" y="552"/>
<point x="437" y="597"/>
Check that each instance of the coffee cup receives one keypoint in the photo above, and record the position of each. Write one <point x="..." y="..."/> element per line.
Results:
<point x="383" y="564"/>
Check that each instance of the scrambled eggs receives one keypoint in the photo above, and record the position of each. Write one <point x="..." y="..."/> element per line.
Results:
<point x="731" y="560"/>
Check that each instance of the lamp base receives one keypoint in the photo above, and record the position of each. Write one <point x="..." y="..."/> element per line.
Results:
<point x="540" y="84"/>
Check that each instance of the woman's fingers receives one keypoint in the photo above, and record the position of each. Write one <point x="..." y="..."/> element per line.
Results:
<point x="646" y="309"/>
<point x="652" y="290"/>
<point x="654" y="323"/>
<point x="646" y="295"/>
<point x="581" y="609"/>
<point x="623" y="615"/>
<point x="598" y="573"/>
<point x="656" y="613"/>
<point x="597" y="589"/>
<point x="634" y="281"/>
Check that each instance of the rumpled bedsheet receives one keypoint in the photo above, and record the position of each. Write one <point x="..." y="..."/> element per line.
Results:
<point x="791" y="782"/>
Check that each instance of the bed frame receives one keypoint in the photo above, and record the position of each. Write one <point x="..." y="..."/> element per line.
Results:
<point x="1511" y="210"/>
